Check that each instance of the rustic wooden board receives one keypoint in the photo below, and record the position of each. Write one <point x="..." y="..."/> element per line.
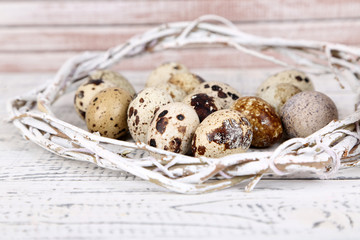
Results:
<point x="15" y="13"/>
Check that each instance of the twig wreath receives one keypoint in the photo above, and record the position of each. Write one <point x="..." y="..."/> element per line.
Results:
<point x="324" y="152"/>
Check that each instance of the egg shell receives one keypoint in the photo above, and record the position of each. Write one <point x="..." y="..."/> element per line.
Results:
<point x="173" y="127"/>
<point x="226" y="94"/>
<point x="277" y="95"/>
<point x="95" y="83"/>
<point x="142" y="110"/>
<point x="186" y="81"/>
<point x="106" y="113"/>
<point x="175" y="92"/>
<point x="222" y="133"/>
<point x="307" y="112"/>
<point x="294" y="77"/>
<point x="203" y="104"/>
<point x="164" y="72"/>
<point x="265" y="122"/>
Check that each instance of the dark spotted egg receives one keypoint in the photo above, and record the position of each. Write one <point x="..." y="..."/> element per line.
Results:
<point x="226" y="94"/>
<point x="173" y="127"/>
<point x="222" y="133"/>
<point x="142" y="110"/>
<point x="203" y="104"/>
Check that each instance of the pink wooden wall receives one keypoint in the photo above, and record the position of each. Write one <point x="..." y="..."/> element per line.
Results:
<point x="39" y="35"/>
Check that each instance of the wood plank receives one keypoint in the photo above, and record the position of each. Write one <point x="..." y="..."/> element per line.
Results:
<point x="100" y="38"/>
<point x="19" y="13"/>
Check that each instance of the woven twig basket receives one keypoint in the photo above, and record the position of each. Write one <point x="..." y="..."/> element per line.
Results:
<point x="324" y="152"/>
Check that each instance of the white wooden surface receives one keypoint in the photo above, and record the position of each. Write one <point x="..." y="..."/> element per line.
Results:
<point x="44" y="196"/>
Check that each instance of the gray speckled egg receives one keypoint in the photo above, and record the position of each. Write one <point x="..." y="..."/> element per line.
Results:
<point x="106" y="113"/>
<point x="186" y="81"/>
<point x="172" y="128"/>
<point x="226" y="94"/>
<point x="294" y="77"/>
<point x="164" y="72"/>
<point x="307" y="112"/>
<point x="96" y="82"/>
<point x="222" y="133"/>
<point x="142" y="109"/>
<point x="175" y="92"/>
<point x="203" y="104"/>
<point x="277" y="95"/>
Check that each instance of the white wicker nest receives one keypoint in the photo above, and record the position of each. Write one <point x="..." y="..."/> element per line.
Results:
<point x="324" y="152"/>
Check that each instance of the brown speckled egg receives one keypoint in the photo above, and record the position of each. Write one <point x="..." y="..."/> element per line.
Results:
<point x="164" y="72"/>
<point x="277" y="95"/>
<point x="226" y="94"/>
<point x="96" y="82"/>
<point x="175" y="92"/>
<point x="142" y="109"/>
<point x="172" y="128"/>
<point x="106" y="113"/>
<point x="186" y="81"/>
<point x="265" y="122"/>
<point x="222" y="133"/>
<point x="307" y="112"/>
<point x="294" y="77"/>
<point x="203" y="104"/>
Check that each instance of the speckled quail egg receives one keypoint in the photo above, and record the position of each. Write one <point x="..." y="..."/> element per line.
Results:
<point x="172" y="128"/>
<point x="307" y="112"/>
<point x="142" y="109"/>
<point x="175" y="92"/>
<point x="222" y="91"/>
<point x="294" y="77"/>
<point x="96" y="82"/>
<point x="277" y="95"/>
<point x="203" y="104"/>
<point x="266" y="124"/>
<point x="222" y="133"/>
<point x="164" y="72"/>
<point x="106" y="113"/>
<point x="186" y="81"/>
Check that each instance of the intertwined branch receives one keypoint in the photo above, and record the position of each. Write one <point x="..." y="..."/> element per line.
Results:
<point x="324" y="152"/>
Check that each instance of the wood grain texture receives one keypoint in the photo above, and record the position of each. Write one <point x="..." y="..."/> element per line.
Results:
<point x="15" y="13"/>
<point x="36" y="39"/>
<point x="44" y="196"/>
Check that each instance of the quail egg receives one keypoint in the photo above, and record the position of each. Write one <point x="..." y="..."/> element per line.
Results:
<point x="96" y="82"/>
<point x="186" y="81"/>
<point x="142" y="109"/>
<point x="175" y="92"/>
<point x="222" y="133"/>
<point x="266" y="124"/>
<point x="164" y="72"/>
<point x="172" y="128"/>
<point x="203" y="104"/>
<point x="106" y="113"/>
<point x="226" y="94"/>
<point x="307" y="112"/>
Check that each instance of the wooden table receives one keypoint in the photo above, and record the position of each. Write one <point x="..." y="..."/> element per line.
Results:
<point x="44" y="196"/>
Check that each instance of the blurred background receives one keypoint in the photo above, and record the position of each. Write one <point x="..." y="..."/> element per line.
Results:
<point x="39" y="35"/>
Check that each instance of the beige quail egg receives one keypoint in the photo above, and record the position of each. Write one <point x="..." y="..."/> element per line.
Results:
<point x="203" y="104"/>
<point x="106" y="113"/>
<point x="307" y="112"/>
<point x="222" y="133"/>
<point x="226" y="94"/>
<point x="277" y="95"/>
<point x="294" y="77"/>
<point x="186" y="81"/>
<point x="96" y="82"/>
<point x="142" y="109"/>
<point x="164" y="72"/>
<point x="266" y="124"/>
<point x="175" y="92"/>
<point x="173" y="127"/>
